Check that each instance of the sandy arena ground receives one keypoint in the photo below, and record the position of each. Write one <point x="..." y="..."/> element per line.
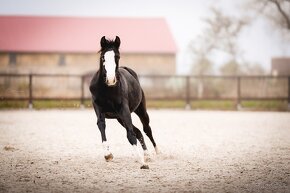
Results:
<point x="202" y="151"/>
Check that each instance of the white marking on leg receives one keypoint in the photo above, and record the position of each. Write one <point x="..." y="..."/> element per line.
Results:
<point x="157" y="150"/>
<point x="146" y="156"/>
<point x="110" y="66"/>
<point x="106" y="148"/>
<point x="146" y="153"/>
<point x="139" y="155"/>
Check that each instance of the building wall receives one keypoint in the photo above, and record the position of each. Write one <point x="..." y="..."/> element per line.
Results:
<point x="48" y="63"/>
<point x="281" y="66"/>
<point x="4" y="60"/>
<point x="150" y="63"/>
<point x="81" y="63"/>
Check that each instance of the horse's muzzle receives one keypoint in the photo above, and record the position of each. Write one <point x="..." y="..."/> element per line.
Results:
<point x="111" y="81"/>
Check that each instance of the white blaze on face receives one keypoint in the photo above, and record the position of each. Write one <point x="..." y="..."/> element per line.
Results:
<point x="110" y="66"/>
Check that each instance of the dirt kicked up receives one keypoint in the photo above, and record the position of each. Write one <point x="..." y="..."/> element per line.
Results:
<point x="202" y="151"/>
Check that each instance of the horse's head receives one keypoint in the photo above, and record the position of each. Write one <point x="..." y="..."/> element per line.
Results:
<point x="109" y="59"/>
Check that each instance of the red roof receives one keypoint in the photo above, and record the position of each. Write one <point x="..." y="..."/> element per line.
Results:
<point x="71" y="34"/>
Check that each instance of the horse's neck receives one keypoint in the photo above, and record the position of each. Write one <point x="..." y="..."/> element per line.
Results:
<point x="100" y="78"/>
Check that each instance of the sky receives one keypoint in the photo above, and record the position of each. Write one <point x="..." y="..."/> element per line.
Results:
<point x="258" y="41"/>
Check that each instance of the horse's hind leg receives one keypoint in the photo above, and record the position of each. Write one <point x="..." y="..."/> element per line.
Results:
<point x="144" y="117"/>
<point x="139" y="135"/>
<point x="126" y="121"/>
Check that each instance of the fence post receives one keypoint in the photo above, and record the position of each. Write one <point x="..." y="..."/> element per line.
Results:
<point x="238" y="102"/>
<point x="30" y="100"/>
<point x="82" y="92"/>
<point x="288" y="93"/>
<point x="187" y="96"/>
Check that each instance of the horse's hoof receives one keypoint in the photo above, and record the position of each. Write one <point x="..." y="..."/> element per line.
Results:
<point x="109" y="157"/>
<point x="145" y="167"/>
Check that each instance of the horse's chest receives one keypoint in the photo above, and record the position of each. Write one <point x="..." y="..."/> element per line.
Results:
<point x="109" y="104"/>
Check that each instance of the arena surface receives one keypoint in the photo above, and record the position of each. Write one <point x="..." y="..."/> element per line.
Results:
<point x="202" y="151"/>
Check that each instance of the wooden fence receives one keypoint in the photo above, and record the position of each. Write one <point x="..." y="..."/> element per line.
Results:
<point x="32" y="87"/>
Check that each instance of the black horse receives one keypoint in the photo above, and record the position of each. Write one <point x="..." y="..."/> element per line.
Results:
<point x="116" y="93"/>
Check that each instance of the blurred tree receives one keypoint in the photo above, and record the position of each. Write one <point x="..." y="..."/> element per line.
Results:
<point x="202" y="64"/>
<point x="253" y="69"/>
<point x="231" y="68"/>
<point x="225" y="30"/>
<point x="276" y="11"/>
<point x="220" y="34"/>
<point x="200" y="50"/>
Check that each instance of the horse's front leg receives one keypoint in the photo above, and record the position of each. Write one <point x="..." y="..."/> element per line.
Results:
<point x="106" y="148"/>
<point x="102" y="127"/>
<point x="125" y="118"/>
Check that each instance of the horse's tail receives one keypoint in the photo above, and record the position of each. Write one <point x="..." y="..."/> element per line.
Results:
<point x="132" y="72"/>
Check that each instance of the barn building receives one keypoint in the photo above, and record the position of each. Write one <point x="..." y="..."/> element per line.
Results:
<point x="70" y="44"/>
<point x="280" y="66"/>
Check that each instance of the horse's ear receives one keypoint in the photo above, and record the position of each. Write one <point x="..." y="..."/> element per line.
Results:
<point x="117" y="42"/>
<point x="103" y="42"/>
